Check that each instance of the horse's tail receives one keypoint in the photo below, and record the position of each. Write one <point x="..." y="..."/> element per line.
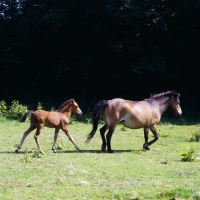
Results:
<point x="30" y="112"/>
<point x="95" y="117"/>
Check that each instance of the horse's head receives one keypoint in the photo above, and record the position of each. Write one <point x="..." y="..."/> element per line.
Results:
<point x="75" y="107"/>
<point x="174" y="102"/>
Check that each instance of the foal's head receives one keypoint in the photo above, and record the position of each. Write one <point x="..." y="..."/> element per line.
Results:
<point x="174" y="102"/>
<point x="70" y="105"/>
<point x="75" y="107"/>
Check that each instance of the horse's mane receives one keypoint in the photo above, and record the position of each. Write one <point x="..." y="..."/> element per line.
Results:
<point x="63" y="105"/>
<point x="171" y="93"/>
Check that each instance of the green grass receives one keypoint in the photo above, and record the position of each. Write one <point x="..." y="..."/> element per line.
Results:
<point x="130" y="173"/>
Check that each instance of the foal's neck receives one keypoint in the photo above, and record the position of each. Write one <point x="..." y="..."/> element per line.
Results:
<point x="67" y="112"/>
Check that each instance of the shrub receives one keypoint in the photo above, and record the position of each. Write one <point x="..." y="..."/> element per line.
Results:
<point x="16" y="110"/>
<point x="188" y="156"/>
<point x="195" y="137"/>
<point x="3" y="109"/>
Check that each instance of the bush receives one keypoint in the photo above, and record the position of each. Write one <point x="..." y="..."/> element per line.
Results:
<point x="3" y="109"/>
<point x="16" y="110"/>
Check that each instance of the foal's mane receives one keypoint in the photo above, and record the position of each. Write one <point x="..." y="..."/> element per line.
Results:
<point x="171" y="93"/>
<point x="63" y="105"/>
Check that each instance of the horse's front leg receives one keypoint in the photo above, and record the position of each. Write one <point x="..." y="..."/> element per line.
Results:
<point x="55" y="139"/>
<point x="102" y="133"/>
<point x="108" y="137"/>
<point x="153" y="130"/>
<point x="146" y="138"/>
<point x="70" y="138"/>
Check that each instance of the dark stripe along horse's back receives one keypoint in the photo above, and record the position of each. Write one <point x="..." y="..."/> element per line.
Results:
<point x="133" y="114"/>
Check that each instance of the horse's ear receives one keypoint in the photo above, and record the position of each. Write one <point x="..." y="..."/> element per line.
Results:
<point x="72" y="101"/>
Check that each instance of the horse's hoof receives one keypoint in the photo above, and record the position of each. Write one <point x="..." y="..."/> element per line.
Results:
<point x="146" y="147"/>
<point x="16" y="151"/>
<point x="111" y="151"/>
<point x="54" y="149"/>
<point x="103" y="149"/>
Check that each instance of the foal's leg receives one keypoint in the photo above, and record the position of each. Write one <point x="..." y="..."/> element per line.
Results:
<point x="108" y="137"/>
<point x="102" y="133"/>
<point x="26" y="133"/>
<point x="55" y="139"/>
<point x="70" y="137"/>
<point x="146" y="137"/>
<point x="36" y="137"/>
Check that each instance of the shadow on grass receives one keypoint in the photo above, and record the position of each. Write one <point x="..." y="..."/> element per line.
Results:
<point x="96" y="151"/>
<point x="74" y="151"/>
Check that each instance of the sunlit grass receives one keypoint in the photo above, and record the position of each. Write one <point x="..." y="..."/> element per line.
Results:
<point x="130" y="173"/>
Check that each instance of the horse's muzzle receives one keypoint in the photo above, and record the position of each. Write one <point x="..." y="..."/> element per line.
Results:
<point x="179" y="112"/>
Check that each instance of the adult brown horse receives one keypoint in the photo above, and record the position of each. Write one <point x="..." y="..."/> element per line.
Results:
<point x="133" y="114"/>
<point x="58" y="120"/>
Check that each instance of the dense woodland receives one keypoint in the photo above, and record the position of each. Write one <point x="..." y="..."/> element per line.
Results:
<point x="53" y="50"/>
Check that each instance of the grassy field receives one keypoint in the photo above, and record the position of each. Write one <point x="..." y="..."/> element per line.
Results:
<point x="130" y="173"/>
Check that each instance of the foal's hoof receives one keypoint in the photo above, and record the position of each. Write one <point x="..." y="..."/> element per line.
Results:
<point x="42" y="152"/>
<point x="16" y="151"/>
<point x="146" y="147"/>
<point x="77" y="148"/>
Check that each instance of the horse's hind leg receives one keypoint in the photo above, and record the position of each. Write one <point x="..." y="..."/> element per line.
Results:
<point x="26" y="133"/>
<point x="102" y="133"/>
<point x="55" y="139"/>
<point x="108" y="137"/>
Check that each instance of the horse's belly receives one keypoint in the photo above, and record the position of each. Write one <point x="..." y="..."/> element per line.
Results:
<point x="134" y="122"/>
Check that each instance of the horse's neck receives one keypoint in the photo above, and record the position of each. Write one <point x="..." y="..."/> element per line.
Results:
<point x="163" y="105"/>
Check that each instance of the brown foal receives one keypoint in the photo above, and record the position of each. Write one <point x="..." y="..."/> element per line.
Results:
<point x="58" y="120"/>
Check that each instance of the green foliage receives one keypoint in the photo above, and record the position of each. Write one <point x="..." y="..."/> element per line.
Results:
<point x="123" y="128"/>
<point x="188" y="156"/>
<point x="16" y="110"/>
<point x="26" y="158"/>
<point x="39" y="106"/>
<point x="162" y="134"/>
<point x="178" y="193"/>
<point x="3" y="109"/>
<point x="59" y="145"/>
<point x="195" y="136"/>
<point x="72" y="119"/>
<point x="37" y="154"/>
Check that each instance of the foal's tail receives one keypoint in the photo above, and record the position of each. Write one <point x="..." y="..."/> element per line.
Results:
<point x="95" y="117"/>
<point x="30" y="112"/>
